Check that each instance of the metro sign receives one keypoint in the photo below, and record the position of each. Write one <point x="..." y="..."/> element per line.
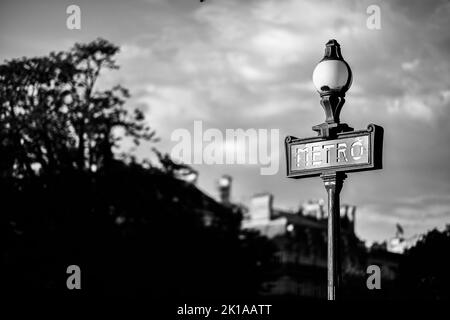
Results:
<point x="350" y="151"/>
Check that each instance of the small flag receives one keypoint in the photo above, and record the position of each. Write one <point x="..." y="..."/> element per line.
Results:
<point x="400" y="230"/>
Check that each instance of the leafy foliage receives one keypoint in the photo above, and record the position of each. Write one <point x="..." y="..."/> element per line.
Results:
<point x="52" y="116"/>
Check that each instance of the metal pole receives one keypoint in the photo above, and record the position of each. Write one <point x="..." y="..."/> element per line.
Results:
<point x="333" y="184"/>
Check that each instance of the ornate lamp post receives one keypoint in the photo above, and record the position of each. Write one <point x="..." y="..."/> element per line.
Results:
<point x="336" y="150"/>
<point x="332" y="78"/>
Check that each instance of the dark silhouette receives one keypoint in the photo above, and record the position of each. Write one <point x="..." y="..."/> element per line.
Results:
<point x="133" y="228"/>
<point x="424" y="272"/>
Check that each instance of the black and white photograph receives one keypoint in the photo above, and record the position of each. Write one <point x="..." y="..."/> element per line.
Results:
<point x="225" y="159"/>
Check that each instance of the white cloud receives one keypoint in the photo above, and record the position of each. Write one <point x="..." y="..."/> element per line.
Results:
<point x="412" y="106"/>
<point x="410" y="65"/>
<point x="133" y="51"/>
<point x="377" y="223"/>
<point x="279" y="46"/>
<point x="242" y="65"/>
<point x="172" y="103"/>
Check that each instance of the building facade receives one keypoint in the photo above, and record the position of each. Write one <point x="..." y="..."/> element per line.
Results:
<point x="300" y="236"/>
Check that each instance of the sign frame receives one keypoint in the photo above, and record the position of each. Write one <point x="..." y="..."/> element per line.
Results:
<point x="375" y="136"/>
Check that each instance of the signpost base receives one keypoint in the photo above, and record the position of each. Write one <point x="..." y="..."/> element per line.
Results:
<point x="333" y="182"/>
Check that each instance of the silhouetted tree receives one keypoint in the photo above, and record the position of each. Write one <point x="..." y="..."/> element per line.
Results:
<point x="53" y="117"/>
<point x="425" y="268"/>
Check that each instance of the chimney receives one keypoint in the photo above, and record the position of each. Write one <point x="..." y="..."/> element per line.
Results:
<point x="353" y="217"/>
<point x="225" y="189"/>
<point x="321" y="210"/>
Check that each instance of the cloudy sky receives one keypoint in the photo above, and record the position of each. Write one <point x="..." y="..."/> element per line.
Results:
<point x="248" y="64"/>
